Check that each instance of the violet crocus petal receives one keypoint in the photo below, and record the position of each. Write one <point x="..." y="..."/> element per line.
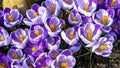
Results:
<point x="66" y="52"/>
<point x="79" y="4"/>
<point x="75" y="48"/>
<point x="15" y="64"/>
<point x="30" y="13"/>
<point x="15" y="14"/>
<point x="35" y="7"/>
<point x="111" y="12"/>
<point x="28" y="22"/>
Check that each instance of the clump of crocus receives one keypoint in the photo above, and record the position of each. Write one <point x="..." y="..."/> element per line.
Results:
<point x="12" y="17"/>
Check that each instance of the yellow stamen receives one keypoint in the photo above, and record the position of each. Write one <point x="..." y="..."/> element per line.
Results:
<point x="112" y="3"/>
<point x="52" y="27"/>
<point x="10" y="18"/>
<point x="64" y="64"/>
<point x="104" y="19"/>
<point x="66" y="1"/>
<point x="86" y="5"/>
<point x="33" y="49"/>
<point x="52" y="8"/>
<point x="21" y="38"/>
<point x="71" y="35"/>
<point x="37" y="32"/>
<point x="35" y="13"/>
<point x="74" y="18"/>
<point x="14" y="56"/>
<point x="45" y="67"/>
<point x="2" y="38"/>
<point x="2" y="65"/>
<point x="101" y="47"/>
<point x="30" y="66"/>
<point x="89" y="33"/>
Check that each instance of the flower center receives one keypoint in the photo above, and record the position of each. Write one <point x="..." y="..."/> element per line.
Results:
<point x="37" y="32"/>
<point x="64" y="64"/>
<point x="86" y="4"/>
<point x="33" y="49"/>
<point x="66" y="1"/>
<point x="52" y="43"/>
<point x="71" y="35"/>
<point x="112" y="3"/>
<point x="21" y="38"/>
<point x="104" y="19"/>
<point x="30" y="66"/>
<point x="14" y="56"/>
<point x="45" y="67"/>
<point x="35" y="13"/>
<point x="2" y="65"/>
<point x="115" y="26"/>
<point x="2" y="38"/>
<point x="52" y="27"/>
<point x="101" y="47"/>
<point x="89" y="34"/>
<point x="55" y="55"/>
<point x="74" y="18"/>
<point x="10" y="18"/>
<point x="99" y="1"/>
<point x="52" y="8"/>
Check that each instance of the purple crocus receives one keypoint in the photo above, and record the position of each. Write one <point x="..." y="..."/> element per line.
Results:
<point x="35" y="15"/>
<point x="103" y="17"/>
<point x="66" y="4"/>
<point x="36" y="33"/>
<point x="53" y="43"/>
<point x="12" y="17"/>
<point x="4" y="61"/>
<point x="90" y="32"/>
<point x="74" y="17"/>
<point x="53" y="8"/>
<point x="4" y="37"/>
<point x="16" y="64"/>
<point x="53" y="25"/>
<point x="43" y="61"/>
<point x="63" y="61"/>
<point x="85" y="7"/>
<point x="103" y="47"/>
<point x="19" y="38"/>
<point x="15" y="54"/>
<point x="29" y="62"/>
<point x="112" y="4"/>
<point x="70" y="36"/>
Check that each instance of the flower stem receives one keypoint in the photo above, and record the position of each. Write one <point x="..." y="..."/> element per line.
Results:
<point x="90" y="59"/>
<point x="83" y="55"/>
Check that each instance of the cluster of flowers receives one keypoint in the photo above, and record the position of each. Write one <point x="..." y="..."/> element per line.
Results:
<point x="94" y="22"/>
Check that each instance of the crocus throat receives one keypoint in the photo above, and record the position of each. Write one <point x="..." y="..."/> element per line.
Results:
<point x="2" y="65"/>
<point x="14" y="56"/>
<point x="112" y="3"/>
<point x="66" y="1"/>
<point x="101" y="47"/>
<point x="2" y="38"/>
<point x="71" y="35"/>
<point x="52" y="43"/>
<point x="64" y="64"/>
<point x="35" y="13"/>
<point x="45" y="67"/>
<point x="37" y="32"/>
<point x="21" y="38"/>
<point x="52" y="27"/>
<point x="33" y="49"/>
<point x="55" y="55"/>
<point x="115" y="26"/>
<point x="31" y="66"/>
<point x="74" y="18"/>
<point x="104" y="19"/>
<point x="86" y="5"/>
<point x="89" y="34"/>
<point x="99" y="1"/>
<point x="52" y="8"/>
<point x="10" y="18"/>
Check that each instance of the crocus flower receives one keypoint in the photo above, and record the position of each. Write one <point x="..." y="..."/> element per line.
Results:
<point x="103" y="47"/>
<point x="19" y="38"/>
<point x="43" y="61"/>
<point x="90" y="32"/>
<point x="102" y="17"/>
<point x="4" y="61"/>
<point x="28" y="62"/>
<point x="35" y="49"/>
<point x="15" y="54"/>
<point x="36" y="33"/>
<point x="70" y="36"/>
<point x="15" y="64"/>
<point x="116" y="26"/>
<point x="66" y="4"/>
<point x="4" y="37"/>
<point x="74" y="17"/>
<point x="85" y="7"/>
<point x="12" y="17"/>
<point x="35" y="15"/>
<point x="63" y="61"/>
<point x="53" y="25"/>
<point x="53" y="43"/>
<point x="53" y="8"/>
